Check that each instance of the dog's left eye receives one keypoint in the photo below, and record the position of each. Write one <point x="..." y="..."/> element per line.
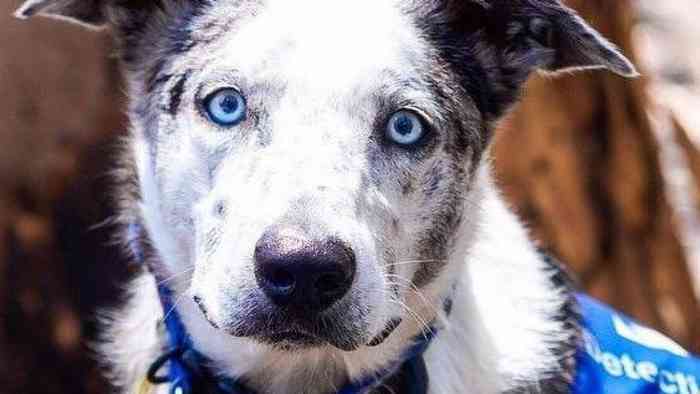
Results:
<point x="226" y="107"/>
<point x="405" y="128"/>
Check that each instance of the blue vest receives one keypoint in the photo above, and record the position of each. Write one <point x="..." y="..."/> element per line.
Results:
<point x="620" y="356"/>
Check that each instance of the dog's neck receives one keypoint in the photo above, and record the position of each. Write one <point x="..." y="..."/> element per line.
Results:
<point x="503" y="321"/>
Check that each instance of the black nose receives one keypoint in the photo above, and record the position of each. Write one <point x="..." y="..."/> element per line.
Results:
<point x="301" y="273"/>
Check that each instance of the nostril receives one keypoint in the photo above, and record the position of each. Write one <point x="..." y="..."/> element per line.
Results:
<point x="282" y="280"/>
<point x="329" y="284"/>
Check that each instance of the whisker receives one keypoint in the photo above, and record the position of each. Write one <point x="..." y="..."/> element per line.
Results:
<point x="425" y="328"/>
<point x="175" y="304"/>
<point x="408" y="285"/>
<point x="409" y="262"/>
<point x="175" y="276"/>
<point x="108" y="221"/>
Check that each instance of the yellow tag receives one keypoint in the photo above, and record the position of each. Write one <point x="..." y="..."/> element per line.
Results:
<point x="145" y="387"/>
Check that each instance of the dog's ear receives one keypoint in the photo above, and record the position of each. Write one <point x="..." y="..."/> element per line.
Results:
<point x="86" y="12"/>
<point x="93" y="13"/>
<point x="509" y="39"/>
<point x="546" y="35"/>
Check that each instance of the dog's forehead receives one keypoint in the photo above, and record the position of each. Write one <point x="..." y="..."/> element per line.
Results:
<point x="321" y="43"/>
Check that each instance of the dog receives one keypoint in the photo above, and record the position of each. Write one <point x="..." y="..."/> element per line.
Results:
<point x="310" y="180"/>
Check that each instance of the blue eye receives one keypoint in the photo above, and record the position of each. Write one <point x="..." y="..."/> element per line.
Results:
<point x="226" y="107"/>
<point x="405" y="128"/>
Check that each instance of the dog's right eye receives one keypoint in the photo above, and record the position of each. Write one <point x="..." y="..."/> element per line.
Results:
<point x="226" y="107"/>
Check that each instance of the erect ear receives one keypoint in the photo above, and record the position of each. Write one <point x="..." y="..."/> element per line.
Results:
<point x="86" y="12"/>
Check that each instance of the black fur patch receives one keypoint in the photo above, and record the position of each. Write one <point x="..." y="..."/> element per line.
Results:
<point x="176" y="93"/>
<point x="435" y="243"/>
<point x="140" y="43"/>
<point x="156" y="78"/>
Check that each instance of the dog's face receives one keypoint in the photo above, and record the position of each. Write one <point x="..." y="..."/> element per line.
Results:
<point x="309" y="166"/>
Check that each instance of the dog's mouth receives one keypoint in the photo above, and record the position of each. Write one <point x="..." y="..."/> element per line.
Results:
<point x="391" y="326"/>
<point x="295" y="339"/>
<point x="289" y="334"/>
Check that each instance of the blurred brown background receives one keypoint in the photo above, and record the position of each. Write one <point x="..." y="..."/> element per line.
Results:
<point x="605" y="171"/>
